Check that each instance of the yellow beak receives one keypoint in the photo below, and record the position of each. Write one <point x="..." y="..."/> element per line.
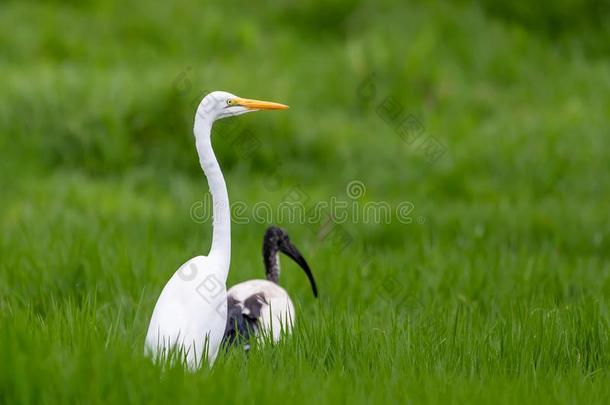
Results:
<point x="259" y="105"/>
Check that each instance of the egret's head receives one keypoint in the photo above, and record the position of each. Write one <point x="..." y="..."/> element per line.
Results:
<point x="220" y="104"/>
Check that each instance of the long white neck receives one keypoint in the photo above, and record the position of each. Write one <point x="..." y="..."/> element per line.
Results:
<point x="221" y="224"/>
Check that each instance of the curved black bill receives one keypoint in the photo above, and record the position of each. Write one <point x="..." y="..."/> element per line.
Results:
<point x="291" y="251"/>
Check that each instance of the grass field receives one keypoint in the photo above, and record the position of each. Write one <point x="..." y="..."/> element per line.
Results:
<point x="495" y="292"/>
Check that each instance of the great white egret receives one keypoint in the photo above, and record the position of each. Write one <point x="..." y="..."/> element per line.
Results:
<point x="191" y="313"/>
<point x="258" y="307"/>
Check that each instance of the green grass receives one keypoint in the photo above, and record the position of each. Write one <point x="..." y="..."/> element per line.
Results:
<point x="499" y="296"/>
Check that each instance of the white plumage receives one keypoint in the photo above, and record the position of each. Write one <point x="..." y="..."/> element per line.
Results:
<point x="191" y="313"/>
<point x="262" y="307"/>
<point x="276" y="308"/>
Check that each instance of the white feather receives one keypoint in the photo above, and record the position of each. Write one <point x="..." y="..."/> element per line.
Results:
<point x="190" y="314"/>
<point x="277" y="313"/>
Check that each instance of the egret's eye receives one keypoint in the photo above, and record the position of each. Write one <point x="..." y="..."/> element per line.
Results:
<point x="230" y="101"/>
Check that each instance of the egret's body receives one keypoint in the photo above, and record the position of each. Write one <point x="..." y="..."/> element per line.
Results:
<point x="262" y="307"/>
<point x="191" y="312"/>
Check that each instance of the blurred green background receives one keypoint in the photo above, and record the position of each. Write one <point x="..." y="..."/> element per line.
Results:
<point x="497" y="291"/>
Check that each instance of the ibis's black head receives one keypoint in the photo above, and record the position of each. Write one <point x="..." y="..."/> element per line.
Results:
<point x="276" y="240"/>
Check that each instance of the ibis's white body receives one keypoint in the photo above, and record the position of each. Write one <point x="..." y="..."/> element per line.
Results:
<point x="190" y="314"/>
<point x="277" y="311"/>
